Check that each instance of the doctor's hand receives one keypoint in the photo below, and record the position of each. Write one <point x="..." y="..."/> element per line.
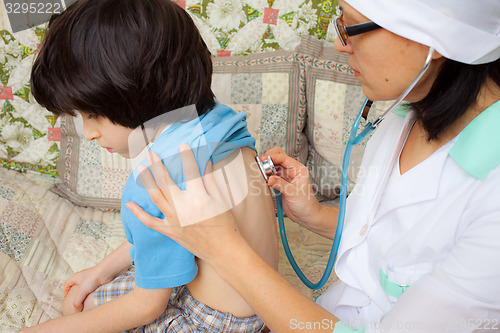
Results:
<point x="292" y="180"/>
<point x="198" y="218"/>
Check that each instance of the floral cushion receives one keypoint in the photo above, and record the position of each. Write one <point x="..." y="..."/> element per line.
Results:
<point x="240" y="27"/>
<point x="29" y="134"/>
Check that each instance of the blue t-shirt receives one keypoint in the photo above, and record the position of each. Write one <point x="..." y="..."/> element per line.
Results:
<point x="159" y="261"/>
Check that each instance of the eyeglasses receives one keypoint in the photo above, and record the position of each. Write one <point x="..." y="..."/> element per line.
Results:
<point x="345" y="32"/>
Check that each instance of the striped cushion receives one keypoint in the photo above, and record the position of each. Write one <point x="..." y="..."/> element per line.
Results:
<point x="334" y="97"/>
<point x="91" y="176"/>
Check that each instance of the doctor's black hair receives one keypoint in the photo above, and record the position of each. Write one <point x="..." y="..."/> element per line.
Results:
<point x="455" y="89"/>
<point x="126" y="60"/>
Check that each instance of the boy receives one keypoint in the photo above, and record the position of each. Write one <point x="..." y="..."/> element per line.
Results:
<point x="124" y="65"/>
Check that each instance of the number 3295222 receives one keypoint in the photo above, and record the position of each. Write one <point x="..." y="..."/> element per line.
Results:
<point x="33" y="8"/>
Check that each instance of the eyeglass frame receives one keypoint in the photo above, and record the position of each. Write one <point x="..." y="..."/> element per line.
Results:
<point x="344" y="32"/>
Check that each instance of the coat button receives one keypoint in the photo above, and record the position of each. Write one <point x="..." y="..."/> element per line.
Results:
<point x="364" y="230"/>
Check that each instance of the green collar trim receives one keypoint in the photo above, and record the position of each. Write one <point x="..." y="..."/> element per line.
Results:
<point x="402" y="110"/>
<point x="391" y="288"/>
<point x="343" y="327"/>
<point x="477" y="149"/>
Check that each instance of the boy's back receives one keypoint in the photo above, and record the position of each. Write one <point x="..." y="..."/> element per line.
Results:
<point x="256" y="220"/>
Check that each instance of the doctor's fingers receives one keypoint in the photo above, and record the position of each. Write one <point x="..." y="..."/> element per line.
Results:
<point x="165" y="226"/>
<point x="210" y="183"/>
<point x="274" y="151"/>
<point x="286" y="166"/>
<point x="160" y="172"/>
<point x="162" y="197"/>
<point x="297" y="187"/>
<point x="190" y="169"/>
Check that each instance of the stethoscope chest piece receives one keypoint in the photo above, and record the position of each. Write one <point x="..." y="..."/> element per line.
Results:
<point x="266" y="167"/>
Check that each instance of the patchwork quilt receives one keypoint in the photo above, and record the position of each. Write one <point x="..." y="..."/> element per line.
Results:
<point x="37" y="257"/>
<point x="61" y="238"/>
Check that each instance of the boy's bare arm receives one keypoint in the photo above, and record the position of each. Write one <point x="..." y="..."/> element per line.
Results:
<point x="84" y="283"/>
<point x="115" y="262"/>
<point x="137" y="308"/>
<point x="255" y="215"/>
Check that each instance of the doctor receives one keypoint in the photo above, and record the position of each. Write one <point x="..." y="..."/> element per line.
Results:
<point x="421" y="244"/>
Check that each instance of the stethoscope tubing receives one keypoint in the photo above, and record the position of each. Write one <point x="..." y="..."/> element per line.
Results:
<point x="354" y="139"/>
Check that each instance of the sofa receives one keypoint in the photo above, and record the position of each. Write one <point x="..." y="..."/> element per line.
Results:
<point x="60" y="194"/>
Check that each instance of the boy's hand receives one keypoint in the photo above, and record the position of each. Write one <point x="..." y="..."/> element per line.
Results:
<point x="77" y="288"/>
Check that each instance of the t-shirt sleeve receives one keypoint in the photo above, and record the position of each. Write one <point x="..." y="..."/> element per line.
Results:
<point x="159" y="261"/>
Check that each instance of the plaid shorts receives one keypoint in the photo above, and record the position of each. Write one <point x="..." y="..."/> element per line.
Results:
<point x="183" y="314"/>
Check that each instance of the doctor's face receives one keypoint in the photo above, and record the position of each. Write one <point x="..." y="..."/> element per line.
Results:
<point x="385" y="63"/>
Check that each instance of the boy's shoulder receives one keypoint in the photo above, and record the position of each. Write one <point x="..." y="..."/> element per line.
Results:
<point x="212" y="136"/>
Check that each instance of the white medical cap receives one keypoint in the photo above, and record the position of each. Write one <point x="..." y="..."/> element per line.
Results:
<point x="467" y="31"/>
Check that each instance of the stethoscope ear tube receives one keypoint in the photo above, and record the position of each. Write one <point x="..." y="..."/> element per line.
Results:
<point x="354" y="139"/>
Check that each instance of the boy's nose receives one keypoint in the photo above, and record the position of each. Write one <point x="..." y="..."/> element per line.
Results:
<point x="90" y="134"/>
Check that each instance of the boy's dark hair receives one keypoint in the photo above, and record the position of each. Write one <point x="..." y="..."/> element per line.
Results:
<point x="126" y="60"/>
<point x="455" y="90"/>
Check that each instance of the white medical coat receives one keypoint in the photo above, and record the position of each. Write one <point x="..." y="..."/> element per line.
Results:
<point x="421" y="251"/>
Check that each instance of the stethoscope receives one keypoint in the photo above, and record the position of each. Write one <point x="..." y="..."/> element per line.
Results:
<point x="268" y="169"/>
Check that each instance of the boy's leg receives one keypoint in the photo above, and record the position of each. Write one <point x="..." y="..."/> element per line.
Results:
<point x="185" y="314"/>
